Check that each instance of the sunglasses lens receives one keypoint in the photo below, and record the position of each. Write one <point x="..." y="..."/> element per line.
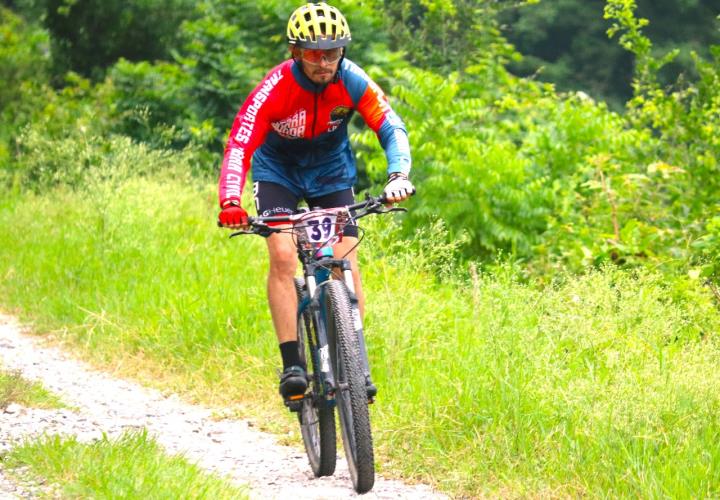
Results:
<point x="315" y="55"/>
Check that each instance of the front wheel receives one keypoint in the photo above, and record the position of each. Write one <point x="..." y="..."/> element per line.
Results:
<point x="350" y="394"/>
<point x="316" y="415"/>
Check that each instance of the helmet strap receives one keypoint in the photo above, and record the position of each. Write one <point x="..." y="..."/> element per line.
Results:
<point x="336" y="78"/>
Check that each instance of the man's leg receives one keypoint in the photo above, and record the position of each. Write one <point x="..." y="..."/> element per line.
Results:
<point x="280" y="286"/>
<point x="274" y="199"/>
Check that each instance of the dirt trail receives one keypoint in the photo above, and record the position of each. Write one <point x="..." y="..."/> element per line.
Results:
<point x="110" y="405"/>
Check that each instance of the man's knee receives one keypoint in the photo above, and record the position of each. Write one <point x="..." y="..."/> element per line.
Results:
<point x="283" y="259"/>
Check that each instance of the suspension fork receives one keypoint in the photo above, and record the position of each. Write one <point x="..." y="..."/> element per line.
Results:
<point x="323" y="346"/>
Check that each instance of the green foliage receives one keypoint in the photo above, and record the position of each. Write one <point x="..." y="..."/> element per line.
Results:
<point x="69" y="143"/>
<point x="227" y="51"/>
<point x="63" y="141"/>
<point x="28" y="9"/>
<point x="24" y="64"/>
<point x="430" y="250"/>
<point x="564" y="42"/>
<point x="23" y="59"/>
<point x="16" y="389"/>
<point x="507" y="164"/>
<point x="130" y="466"/>
<point x="90" y="35"/>
<point x="468" y="174"/>
<point x="708" y="247"/>
<point x="685" y="119"/>
<point x="153" y="103"/>
<point x="233" y="44"/>
<point x="561" y="181"/>
<point x="448" y="36"/>
<point x="84" y="158"/>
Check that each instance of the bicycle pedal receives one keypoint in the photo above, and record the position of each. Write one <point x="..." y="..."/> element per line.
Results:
<point x="294" y="403"/>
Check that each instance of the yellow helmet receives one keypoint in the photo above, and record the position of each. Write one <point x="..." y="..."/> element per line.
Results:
<point x="318" y="26"/>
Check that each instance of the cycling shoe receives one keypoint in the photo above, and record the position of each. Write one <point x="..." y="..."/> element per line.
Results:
<point x="293" y="382"/>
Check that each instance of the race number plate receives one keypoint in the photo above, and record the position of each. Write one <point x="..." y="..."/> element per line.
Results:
<point x="321" y="228"/>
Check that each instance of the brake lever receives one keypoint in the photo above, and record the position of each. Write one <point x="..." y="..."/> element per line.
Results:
<point x="385" y="210"/>
<point x="239" y="233"/>
<point x="258" y="228"/>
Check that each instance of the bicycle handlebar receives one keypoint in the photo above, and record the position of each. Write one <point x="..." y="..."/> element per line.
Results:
<point x="371" y="205"/>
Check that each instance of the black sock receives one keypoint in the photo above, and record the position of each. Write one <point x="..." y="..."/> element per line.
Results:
<point x="290" y="355"/>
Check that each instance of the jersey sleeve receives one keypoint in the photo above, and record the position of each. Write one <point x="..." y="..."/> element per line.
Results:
<point x="248" y="132"/>
<point x="373" y="106"/>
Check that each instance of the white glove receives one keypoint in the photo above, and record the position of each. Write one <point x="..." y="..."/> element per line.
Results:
<point x="398" y="188"/>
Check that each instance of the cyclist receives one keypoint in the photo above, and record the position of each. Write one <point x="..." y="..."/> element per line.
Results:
<point x="294" y="126"/>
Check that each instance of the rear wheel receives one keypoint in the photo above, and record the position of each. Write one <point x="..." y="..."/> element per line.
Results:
<point x="351" y="394"/>
<point x="316" y="416"/>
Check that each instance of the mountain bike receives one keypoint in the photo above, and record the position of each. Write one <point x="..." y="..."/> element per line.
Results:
<point x="331" y="338"/>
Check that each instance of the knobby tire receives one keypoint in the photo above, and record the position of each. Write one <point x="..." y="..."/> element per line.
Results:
<point x="316" y="416"/>
<point x="351" y="394"/>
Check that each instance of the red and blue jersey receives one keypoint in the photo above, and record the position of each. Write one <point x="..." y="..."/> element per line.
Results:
<point x="295" y="132"/>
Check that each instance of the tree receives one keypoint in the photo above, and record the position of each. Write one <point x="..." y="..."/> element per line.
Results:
<point x="565" y="42"/>
<point x="90" y="35"/>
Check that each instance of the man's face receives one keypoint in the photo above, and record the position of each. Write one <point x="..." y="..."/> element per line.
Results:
<point x="319" y="65"/>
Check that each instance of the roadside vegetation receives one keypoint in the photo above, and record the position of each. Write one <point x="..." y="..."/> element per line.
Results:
<point x="544" y="320"/>
<point x="16" y="389"/>
<point x="490" y="384"/>
<point x="130" y="466"/>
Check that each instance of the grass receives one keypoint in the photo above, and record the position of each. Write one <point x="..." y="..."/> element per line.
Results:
<point x="132" y="466"/>
<point x="603" y="385"/>
<point x="16" y="389"/>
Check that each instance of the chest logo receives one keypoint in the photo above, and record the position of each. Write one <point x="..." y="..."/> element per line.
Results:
<point x="292" y="127"/>
<point x="337" y="115"/>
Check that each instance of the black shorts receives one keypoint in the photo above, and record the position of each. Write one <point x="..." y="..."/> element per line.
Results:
<point x="274" y="199"/>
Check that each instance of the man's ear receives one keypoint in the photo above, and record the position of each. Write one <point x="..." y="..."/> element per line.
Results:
<point x="294" y="51"/>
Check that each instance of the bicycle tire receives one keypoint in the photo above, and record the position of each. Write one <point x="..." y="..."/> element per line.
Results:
<point x="351" y="393"/>
<point x="316" y="417"/>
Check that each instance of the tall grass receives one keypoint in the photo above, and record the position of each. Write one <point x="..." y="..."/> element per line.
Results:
<point x="600" y="385"/>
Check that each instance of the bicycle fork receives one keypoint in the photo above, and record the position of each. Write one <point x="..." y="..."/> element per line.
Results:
<point x="323" y="346"/>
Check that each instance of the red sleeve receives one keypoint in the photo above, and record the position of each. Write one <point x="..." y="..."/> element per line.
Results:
<point x="248" y="132"/>
<point x="373" y="106"/>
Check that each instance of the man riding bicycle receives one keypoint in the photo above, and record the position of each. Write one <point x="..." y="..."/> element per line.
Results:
<point x="294" y="127"/>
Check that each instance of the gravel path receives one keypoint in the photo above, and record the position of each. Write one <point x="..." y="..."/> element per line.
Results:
<point x="106" y="404"/>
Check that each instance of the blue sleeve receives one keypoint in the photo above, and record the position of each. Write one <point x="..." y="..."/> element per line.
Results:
<point x="371" y="103"/>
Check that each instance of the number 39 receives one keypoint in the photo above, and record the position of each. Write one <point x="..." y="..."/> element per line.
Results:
<point x="320" y="229"/>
